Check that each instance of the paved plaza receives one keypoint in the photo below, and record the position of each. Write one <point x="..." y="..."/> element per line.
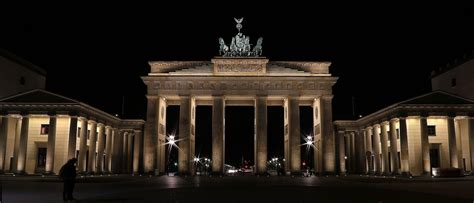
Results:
<point x="241" y="189"/>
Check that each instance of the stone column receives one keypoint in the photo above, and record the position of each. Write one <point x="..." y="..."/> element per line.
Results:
<point x="327" y="135"/>
<point x="23" y="144"/>
<point x="16" y="148"/>
<point x="395" y="168"/>
<point x="186" y="135"/>
<point x="384" y="140"/>
<point x="353" y="152"/>
<point x="71" y="146"/>
<point x="425" y="146"/>
<point x="108" y="149"/>
<point x="348" y="155"/>
<point x="318" y="157"/>
<point x="342" y="152"/>
<point x="150" y="136"/>
<point x="453" y="156"/>
<point x="292" y="111"/>
<point x="376" y="148"/>
<point x="51" y="145"/>
<point x="360" y="152"/>
<point x="136" y="151"/>
<point x="81" y="165"/>
<point x="218" y="138"/>
<point x="100" y="149"/>
<point x="3" y="141"/>
<point x="470" y="129"/>
<point x="261" y="134"/>
<point x="368" y="133"/>
<point x="92" y="147"/>
<point x="405" y="161"/>
<point x="130" y="151"/>
<point x="117" y="151"/>
<point x="124" y="152"/>
<point x="161" y="141"/>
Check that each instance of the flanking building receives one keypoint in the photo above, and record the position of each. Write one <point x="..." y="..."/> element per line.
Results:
<point x="40" y="131"/>
<point x="435" y="130"/>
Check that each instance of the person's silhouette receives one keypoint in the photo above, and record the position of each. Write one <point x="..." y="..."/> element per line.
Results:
<point x="68" y="174"/>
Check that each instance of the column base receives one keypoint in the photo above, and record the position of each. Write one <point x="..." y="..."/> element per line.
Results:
<point x="216" y="174"/>
<point x="20" y="173"/>
<point x="426" y="174"/>
<point x="405" y="174"/>
<point x="48" y="173"/>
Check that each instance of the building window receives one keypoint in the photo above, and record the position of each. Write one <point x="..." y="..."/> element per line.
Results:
<point x="431" y="130"/>
<point x="22" y="80"/>
<point x="453" y="82"/>
<point x="88" y="134"/>
<point x="78" y="133"/>
<point x="398" y="134"/>
<point x="44" y="129"/>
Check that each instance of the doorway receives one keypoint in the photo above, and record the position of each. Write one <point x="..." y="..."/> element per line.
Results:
<point x="41" y="160"/>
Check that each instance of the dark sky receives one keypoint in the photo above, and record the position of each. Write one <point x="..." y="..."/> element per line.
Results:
<point x="382" y="53"/>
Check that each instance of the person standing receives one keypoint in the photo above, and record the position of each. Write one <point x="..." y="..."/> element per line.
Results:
<point x="68" y="174"/>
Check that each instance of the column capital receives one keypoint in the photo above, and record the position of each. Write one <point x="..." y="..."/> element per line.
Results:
<point x="327" y="96"/>
<point x="100" y="125"/>
<point x="137" y="131"/>
<point x="368" y="128"/>
<point x="385" y="123"/>
<point x="92" y="121"/>
<point x="376" y="125"/>
<point x="393" y="120"/>
<point x="82" y="118"/>
<point x="108" y="127"/>
<point x="151" y="96"/>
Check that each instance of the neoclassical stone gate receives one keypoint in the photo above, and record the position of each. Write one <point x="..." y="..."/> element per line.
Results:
<point x="239" y="77"/>
<point x="246" y="81"/>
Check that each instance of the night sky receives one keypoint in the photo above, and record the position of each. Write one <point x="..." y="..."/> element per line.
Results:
<point x="96" y="54"/>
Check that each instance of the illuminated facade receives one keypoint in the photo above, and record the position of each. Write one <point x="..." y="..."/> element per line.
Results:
<point x="235" y="81"/>
<point x="18" y="75"/>
<point x="40" y="131"/>
<point x="435" y="130"/>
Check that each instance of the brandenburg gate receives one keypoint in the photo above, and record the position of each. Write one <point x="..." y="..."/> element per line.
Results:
<point x="239" y="77"/>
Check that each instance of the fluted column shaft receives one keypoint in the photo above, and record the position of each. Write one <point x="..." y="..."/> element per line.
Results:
<point x="261" y="134"/>
<point x="376" y="148"/>
<point x="395" y="168"/>
<point x="425" y="145"/>
<point x="23" y="144"/>
<point x="51" y="144"/>
<point x="453" y="156"/>
<point x="404" y="156"/>
<point x="342" y="152"/>
<point x="218" y="138"/>
<point x="108" y="149"/>
<point x="3" y="140"/>
<point x="136" y="151"/>
<point x="100" y="149"/>
<point x="82" y="146"/>
<point x="384" y="145"/>
<point x="92" y="147"/>
<point x="72" y="139"/>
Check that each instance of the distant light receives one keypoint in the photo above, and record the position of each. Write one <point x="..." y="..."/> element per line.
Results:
<point x="116" y="114"/>
<point x="175" y="163"/>
<point x="172" y="142"/>
<point x="171" y="137"/>
<point x="360" y="116"/>
<point x="309" y="137"/>
<point x="345" y="157"/>
<point x="309" y="142"/>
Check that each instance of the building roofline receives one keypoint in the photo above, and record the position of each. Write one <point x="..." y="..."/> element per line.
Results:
<point x="451" y="66"/>
<point x="22" y="62"/>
